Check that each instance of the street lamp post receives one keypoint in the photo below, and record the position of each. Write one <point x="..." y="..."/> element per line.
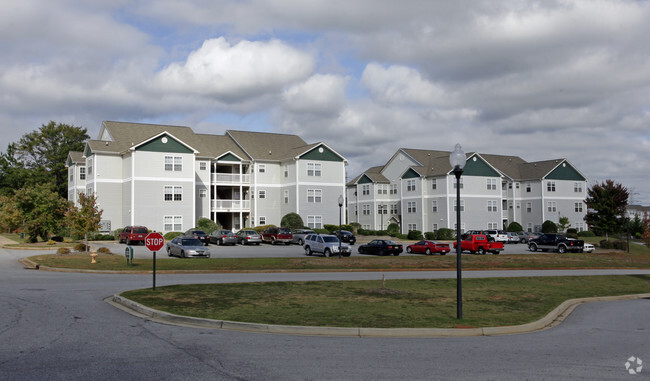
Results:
<point x="340" y="214"/>
<point x="381" y="212"/>
<point x="457" y="160"/>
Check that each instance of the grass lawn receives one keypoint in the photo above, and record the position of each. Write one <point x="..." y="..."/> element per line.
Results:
<point x="400" y="304"/>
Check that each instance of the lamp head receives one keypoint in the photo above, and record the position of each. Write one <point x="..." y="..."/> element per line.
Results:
<point x="457" y="159"/>
<point x="340" y="200"/>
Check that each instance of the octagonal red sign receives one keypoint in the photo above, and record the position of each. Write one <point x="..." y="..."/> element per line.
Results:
<point x="154" y="241"/>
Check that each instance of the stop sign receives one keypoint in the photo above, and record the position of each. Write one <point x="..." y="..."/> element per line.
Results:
<point x="154" y="241"/>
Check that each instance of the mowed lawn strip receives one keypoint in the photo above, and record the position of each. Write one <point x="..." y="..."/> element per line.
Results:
<point x="400" y="304"/>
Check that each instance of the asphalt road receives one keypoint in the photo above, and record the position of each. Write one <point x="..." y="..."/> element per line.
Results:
<point x="56" y="326"/>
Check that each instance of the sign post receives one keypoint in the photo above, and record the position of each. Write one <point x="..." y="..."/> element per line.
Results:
<point x="154" y="242"/>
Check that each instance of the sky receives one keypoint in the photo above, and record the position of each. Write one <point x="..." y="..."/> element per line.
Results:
<point x="536" y="79"/>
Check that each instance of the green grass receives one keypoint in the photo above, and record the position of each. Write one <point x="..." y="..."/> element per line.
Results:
<point x="401" y="304"/>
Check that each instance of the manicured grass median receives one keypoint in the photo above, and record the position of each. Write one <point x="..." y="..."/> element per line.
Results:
<point x="401" y="303"/>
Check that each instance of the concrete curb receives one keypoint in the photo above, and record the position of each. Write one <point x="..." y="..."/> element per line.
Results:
<point x="552" y="319"/>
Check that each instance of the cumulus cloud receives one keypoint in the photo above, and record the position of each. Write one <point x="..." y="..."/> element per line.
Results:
<point x="320" y="94"/>
<point x="401" y="85"/>
<point x="233" y="72"/>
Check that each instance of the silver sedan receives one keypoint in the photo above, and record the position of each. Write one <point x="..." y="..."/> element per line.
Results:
<point x="185" y="247"/>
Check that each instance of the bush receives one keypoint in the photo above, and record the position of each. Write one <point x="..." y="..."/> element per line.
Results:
<point x="292" y="221"/>
<point x="207" y="225"/>
<point x="80" y="247"/>
<point x="355" y="227"/>
<point x="50" y="242"/>
<point x="171" y="235"/>
<point x="393" y="228"/>
<point x="445" y="234"/>
<point x="514" y="227"/>
<point x="586" y="233"/>
<point x="615" y="245"/>
<point x="104" y="250"/>
<point x="57" y="238"/>
<point x="260" y="229"/>
<point x="549" y="227"/>
<point x="63" y="250"/>
<point x="322" y="231"/>
<point x="334" y="228"/>
<point x="429" y="236"/>
<point x="414" y="235"/>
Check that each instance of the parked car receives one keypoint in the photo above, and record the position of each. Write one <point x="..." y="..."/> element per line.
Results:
<point x="479" y="243"/>
<point x="556" y="242"/>
<point x="326" y="244"/>
<point x="525" y="237"/>
<point x="428" y="248"/>
<point x="300" y="234"/>
<point x="497" y="235"/>
<point x="381" y="247"/>
<point x="186" y="247"/>
<point x="275" y="235"/>
<point x="198" y="234"/>
<point x="513" y="237"/>
<point x="248" y="237"/>
<point x="588" y="248"/>
<point x="347" y="237"/>
<point x="223" y="237"/>
<point x="475" y="232"/>
<point x="133" y="234"/>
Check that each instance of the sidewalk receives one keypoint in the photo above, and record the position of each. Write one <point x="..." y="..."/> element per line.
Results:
<point x="6" y="241"/>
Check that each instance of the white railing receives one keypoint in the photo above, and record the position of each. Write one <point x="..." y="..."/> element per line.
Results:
<point x="231" y="205"/>
<point x="231" y="178"/>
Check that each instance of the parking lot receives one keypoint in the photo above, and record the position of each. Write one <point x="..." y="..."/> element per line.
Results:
<point x="265" y="250"/>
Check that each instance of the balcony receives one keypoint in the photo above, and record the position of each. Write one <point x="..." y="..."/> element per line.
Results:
<point x="231" y="178"/>
<point x="231" y="205"/>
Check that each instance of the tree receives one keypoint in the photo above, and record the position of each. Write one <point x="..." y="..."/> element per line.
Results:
<point x="549" y="227"/>
<point x="39" y="209"/>
<point x="606" y="204"/>
<point x="292" y="221"/>
<point x="515" y="227"/>
<point x="207" y="225"/>
<point x="86" y="218"/>
<point x="563" y="224"/>
<point x="635" y="226"/>
<point x="40" y="156"/>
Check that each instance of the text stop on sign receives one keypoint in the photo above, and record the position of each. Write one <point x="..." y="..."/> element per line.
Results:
<point x="154" y="241"/>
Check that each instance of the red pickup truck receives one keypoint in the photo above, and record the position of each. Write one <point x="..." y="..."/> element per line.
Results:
<point x="478" y="243"/>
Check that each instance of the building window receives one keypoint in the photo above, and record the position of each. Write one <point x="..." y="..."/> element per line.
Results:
<point x="286" y="171"/>
<point x="393" y="188"/>
<point x="577" y="187"/>
<point x="462" y="206"/>
<point x="411" y="207"/>
<point x="203" y="192"/>
<point x="286" y="196"/>
<point x="382" y="188"/>
<point x="365" y="190"/>
<point x="393" y="208"/>
<point x="529" y="207"/>
<point x="491" y="184"/>
<point x="410" y="185"/>
<point x="492" y="207"/>
<point x="174" y="193"/>
<point x="169" y="193"/>
<point x="82" y="173"/>
<point x="551" y="206"/>
<point x="314" y="195"/>
<point x="412" y="227"/>
<point x="578" y="207"/>
<point x="173" y="163"/>
<point x="261" y="194"/>
<point x="529" y="227"/>
<point x="435" y="228"/>
<point x="173" y="223"/>
<point x="315" y="222"/>
<point x="262" y="220"/>
<point x="313" y="169"/>
<point x="365" y="209"/>
<point x="434" y="206"/>
<point x="434" y="184"/>
<point x="90" y="167"/>
<point x="492" y="225"/>
<point x="550" y="186"/>
<point x="528" y="188"/>
<point x="382" y="209"/>
<point x="456" y="184"/>
<point x="203" y="166"/>
<point x="261" y="168"/>
<point x="517" y="185"/>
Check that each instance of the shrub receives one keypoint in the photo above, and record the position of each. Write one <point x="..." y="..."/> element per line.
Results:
<point x="80" y="247"/>
<point x="207" y="225"/>
<point x="586" y="233"/>
<point x="445" y="234"/>
<point x="292" y="221"/>
<point x="514" y="227"/>
<point x="260" y="229"/>
<point x="429" y="235"/>
<point x="615" y="245"/>
<point x="322" y="231"/>
<point x="171" y="235"/>
<point x="549" y="227"/>
<point x="50" y="242"/>
<point x="571" y="231"/>
<point x="355" y="226"/>
<point x="393" y="228"/>
<point x="414" y="235"/>
<point x="104" y="250"/>
<point x="63" y="250"/>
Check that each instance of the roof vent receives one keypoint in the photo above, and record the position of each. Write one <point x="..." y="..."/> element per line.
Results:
<point x="269" y="152"/>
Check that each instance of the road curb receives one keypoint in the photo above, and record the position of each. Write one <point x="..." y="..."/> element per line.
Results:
<point x="552" y="319"/>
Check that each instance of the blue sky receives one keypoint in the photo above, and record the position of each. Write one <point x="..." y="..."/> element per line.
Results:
<point x="540" y="80"/>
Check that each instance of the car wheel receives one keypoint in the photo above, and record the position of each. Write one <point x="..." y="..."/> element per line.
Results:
<point x="327" y="253"/>
<point x="360" y="250"/>
<point x="307" y="250"/>
<point x="532" y="247"/>
<point x="561" y="249"/>
<point x="257" y="244"/>
<point x="128" y="242"/>
<point x="169" y="252"/>
<point x="408" y="249"/>
<point x="481" y="251"/>
<point x="300" y="242"/>
<point x="287" y="243"/>
<point x="428" y="251"/>
<point x="182" y="254"/>
<point x="396" y="253"/>
<point x="273" y="241"/>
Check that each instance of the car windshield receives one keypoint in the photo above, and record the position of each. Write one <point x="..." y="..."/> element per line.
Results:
<point x="199" y="232"/>
<point x="284" y="231"/>
<point x="330" y="239"/>
<point x="140" y="230"/>
<point x="191" y="242"/>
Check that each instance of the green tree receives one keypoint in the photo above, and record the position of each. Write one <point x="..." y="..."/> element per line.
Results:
<point x="207" y="225"/>
<point x="39" y="157"/>
<point x="292" y="221"/>
<point x="39" y="208"/>
<point x="563" y="224"/>
<point x="84" y="219"/>
<point x="514" y="227"/>
<point x="606" y="204"/>
<point x="635" y="226"/>
<point x="549" y="227"/>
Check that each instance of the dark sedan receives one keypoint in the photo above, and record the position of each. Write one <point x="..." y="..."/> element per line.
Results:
<point x="346" y="237"/>
<point x="381" y="247"/>
<point x="198" y="234"/>
<point x="428" y="248"/>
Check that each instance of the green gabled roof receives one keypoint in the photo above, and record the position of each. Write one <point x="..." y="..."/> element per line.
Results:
<point x="476" y="166"/>
<point x="410" y="174"/>
<point x="229" y="157"/>
<point x="164" y="143"/>
<point x="565" y="171"/>
<point x="321" y="152"/>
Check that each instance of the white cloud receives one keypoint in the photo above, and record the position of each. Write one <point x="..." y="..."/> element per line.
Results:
<point x="320" y="94"/>
<point x="401" y="85"/>
<point x="231" y="73"/>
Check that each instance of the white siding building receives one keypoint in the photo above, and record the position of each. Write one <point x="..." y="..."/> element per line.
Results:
<point x="167" y="177"/>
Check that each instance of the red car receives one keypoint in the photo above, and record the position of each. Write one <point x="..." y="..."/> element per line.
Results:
<point x="428" y="248"/>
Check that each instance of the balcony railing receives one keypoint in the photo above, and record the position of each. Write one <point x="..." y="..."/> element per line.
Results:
<point x="231" y="205"/>
<point x="231" y="178"/>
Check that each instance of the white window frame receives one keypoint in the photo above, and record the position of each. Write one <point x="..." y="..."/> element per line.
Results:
<point x="462" y="206"/>
<point x="461" y="185"/>
<point x="411" y="185"/>
<point x="578" y="207"/>
<point x="551" y="186"/>
<point x="434" y="206"/>
<point x="365" y="189"/>
<point x="203" y="166"/>
<point x="314" y="169"/>
<point x="262" y="220"/>
<point x="577" y="187"/>
<point x="551" y="206"/>
<point x="203" y="193"/>
<point x="261" y="168"/>
<point x="411" y="207"/>
<point x="491" y="184"/>
<point x="315" y="222"/>
<point x="82" y="173"/>
<point x="365" y="209"/>
<point x="393" y="189"/>
<point x="492" y="207"/>
<point x="315" y="196"/>
<point x="261" y="194"/>
<point x="286" y="196"/>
